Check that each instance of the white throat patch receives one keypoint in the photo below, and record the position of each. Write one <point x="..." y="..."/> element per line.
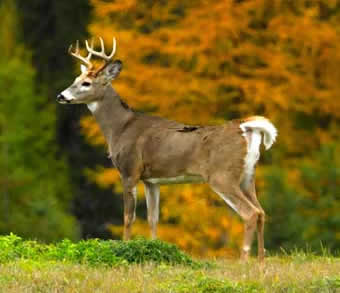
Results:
<point x="93" y="106"/>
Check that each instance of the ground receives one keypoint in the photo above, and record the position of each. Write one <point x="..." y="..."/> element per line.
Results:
<point x="296" y="273"/>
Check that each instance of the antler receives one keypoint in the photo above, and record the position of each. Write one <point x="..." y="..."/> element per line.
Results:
<point x="91" y="51"/>
<point x="76" y="54"/>
<point x="101" y="53"/>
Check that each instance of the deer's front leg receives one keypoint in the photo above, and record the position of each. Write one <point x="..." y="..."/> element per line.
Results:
<point x="130" y="201"/>
<point x="152" y="202"/>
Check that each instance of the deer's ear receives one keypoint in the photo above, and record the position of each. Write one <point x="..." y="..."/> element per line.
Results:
<point x="83" y="68"/>
<point x="113" y="69"/>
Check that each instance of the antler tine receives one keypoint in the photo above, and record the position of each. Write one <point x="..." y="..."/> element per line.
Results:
<point x="102" y="46"/>
<point x="113" y="47"/>
<point x="101" y="53"/>
<point x="87" y="46"/>
<point x="77" y="55"/>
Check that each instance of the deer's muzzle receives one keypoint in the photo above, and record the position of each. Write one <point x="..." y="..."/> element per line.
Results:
<point x="61" y="99"/>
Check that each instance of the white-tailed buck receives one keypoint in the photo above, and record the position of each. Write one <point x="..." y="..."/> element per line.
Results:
<point x="160" y="151"/>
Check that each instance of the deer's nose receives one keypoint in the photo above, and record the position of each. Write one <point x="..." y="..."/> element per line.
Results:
<point x="60" y="98"/>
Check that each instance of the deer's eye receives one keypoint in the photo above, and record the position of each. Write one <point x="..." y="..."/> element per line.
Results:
<point x="86" y="83"/>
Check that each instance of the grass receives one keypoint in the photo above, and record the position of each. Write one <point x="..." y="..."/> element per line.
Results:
<point x="154" y="266"/>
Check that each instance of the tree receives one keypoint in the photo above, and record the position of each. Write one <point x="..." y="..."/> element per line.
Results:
<point x="321" y="198"/>
<point x="284" y="205"/>
<point x="34" y="193"/>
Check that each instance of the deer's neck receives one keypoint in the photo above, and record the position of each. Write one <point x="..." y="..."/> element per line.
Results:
<point x="112" y="114"/>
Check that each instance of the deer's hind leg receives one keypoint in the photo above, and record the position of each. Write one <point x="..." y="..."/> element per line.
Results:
<point x="228" y="188"/>
<point x="250" y="191"/>
<point x="152" y="202"/>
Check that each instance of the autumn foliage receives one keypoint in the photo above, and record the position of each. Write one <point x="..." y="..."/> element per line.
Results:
<point x="204" y="62"/>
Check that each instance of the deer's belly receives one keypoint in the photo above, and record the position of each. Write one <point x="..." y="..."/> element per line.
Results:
<point x="176" y="180"/>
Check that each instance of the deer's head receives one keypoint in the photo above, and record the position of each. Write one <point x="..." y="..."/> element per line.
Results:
<point x="89" y="86"/>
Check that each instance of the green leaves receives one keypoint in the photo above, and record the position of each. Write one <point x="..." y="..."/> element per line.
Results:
<point x="305" y="214"/>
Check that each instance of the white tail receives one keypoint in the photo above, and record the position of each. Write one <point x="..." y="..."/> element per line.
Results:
<point x="264" y="126"/>
<point x="257" y="125"/>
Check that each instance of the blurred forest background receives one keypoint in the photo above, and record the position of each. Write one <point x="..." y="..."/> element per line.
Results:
<point x="199" y="62"/>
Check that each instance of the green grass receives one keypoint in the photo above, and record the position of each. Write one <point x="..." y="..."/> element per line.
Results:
<point x="154" y="266"/>
<point x="94" y="251"/>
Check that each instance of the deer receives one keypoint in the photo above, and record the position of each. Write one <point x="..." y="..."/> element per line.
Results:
<point x="159" y="151"/>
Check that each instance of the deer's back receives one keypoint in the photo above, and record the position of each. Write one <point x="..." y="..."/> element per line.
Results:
<point x="170" y="149"/>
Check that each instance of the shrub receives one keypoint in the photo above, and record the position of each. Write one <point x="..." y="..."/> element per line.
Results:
<point x="94" y="251"/>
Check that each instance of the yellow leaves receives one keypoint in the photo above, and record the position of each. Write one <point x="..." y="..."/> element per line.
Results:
<point x="102" y="8"/>
<point x="92" y="130"/>
<point x="106" y="177"/>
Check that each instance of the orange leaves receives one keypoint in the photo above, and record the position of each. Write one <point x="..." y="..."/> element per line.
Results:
<point x="203" y="220"/>
<point x="92" y="130"/>
<point x="107" y="177"/>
